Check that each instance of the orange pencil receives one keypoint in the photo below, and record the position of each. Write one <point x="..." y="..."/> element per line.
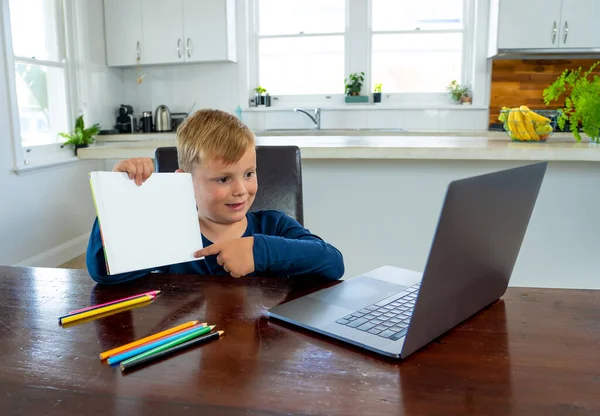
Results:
<point x="131" y="347"/>
<point x="104" y="355"/>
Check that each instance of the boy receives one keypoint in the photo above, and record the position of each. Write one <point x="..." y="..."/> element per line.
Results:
<point x="219" y="152"/>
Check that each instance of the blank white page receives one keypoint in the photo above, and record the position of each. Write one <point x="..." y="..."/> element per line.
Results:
<point x="151" y="225"/>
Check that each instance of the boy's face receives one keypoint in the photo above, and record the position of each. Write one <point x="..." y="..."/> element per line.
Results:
<point x="224" y="193"/>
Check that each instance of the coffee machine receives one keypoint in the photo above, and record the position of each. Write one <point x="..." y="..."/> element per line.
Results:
<point x="125" y="121"/>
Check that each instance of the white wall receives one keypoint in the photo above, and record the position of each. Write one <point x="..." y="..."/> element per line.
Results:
<point x="46" y="216"/>
<point x="384" y="212"/>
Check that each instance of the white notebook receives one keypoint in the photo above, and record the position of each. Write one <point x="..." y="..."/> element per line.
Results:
<point x="151" y="225"/>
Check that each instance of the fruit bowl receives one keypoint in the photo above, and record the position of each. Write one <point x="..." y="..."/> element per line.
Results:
<point x="524" y="125"/>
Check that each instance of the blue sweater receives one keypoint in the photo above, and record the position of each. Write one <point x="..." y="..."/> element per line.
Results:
<point x="282" y="247"/>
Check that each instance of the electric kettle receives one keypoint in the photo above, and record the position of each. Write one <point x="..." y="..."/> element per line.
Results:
<point x="162" y="119"/>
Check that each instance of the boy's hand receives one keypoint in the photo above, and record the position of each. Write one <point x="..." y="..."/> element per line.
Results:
<point x="236" y="256"/>
<point x="139" y="168"/>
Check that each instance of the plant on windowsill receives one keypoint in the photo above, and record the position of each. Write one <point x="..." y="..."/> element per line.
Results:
<point x="460" y="94"/>
<point x="377" y="93"/>
<point x="353" y="86"/>
<point x="81" y="137"/>
<point x="260" y="96"/>
<point x="582" y="104"/>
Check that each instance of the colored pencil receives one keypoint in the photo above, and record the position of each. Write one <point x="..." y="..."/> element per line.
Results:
<point x="152" y="292"/>
<point x="104" y="355"/>
<point x="86" y="314"/>
<point x="171" y="340"/>
<point x="106" y="314"/>
<point x="119" y="304"/>
<point x="164" y="347"/>
<point x="126" y="365"/>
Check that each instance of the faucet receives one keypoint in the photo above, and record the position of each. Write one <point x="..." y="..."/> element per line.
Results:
<point x="316" y="119"/>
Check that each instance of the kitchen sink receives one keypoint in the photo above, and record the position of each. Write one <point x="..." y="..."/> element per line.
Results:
<point x="328" y="132"/>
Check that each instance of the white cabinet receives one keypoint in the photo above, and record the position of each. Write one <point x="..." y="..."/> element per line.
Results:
<point x="580" y="22"/>
<point x="176" y="31"/>
<point x="208" y="29"/>
<point x="162" y="31"/>
<point x="123" y="32"/>
<point x="530" y="24"/>
<point x="552" y="26"/>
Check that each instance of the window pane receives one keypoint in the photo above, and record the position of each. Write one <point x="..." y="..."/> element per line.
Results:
<point x="413" y="14"/>
<point x="34" y="29"/>
<point x="424" y="62"/>
<point x="278" y="17"/>
<point x="42" y="103"/>
<point x="313" y="65"/>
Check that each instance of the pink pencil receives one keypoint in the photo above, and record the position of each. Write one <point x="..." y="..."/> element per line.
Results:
<point x="151" y="293"/>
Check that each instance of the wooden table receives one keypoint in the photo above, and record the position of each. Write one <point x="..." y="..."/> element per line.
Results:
<point x="535" y="352"/>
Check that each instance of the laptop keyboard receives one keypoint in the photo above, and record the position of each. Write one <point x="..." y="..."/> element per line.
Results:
<point x="388" y="318"/>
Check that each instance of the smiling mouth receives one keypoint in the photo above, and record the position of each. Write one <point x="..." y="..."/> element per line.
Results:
<point x="237" y="206"/>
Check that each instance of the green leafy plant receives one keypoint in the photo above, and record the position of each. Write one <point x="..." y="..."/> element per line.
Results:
<point x="260" y="90"/>
<point x="81" y="135"/>
<point x="582" y="103"/>
<point x="354" y="83"/>
<point x="377" y="88"/>
<point x="457" y="91"/>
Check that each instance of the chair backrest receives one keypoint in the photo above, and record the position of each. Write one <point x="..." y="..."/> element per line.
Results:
<point x="279" y="170"/>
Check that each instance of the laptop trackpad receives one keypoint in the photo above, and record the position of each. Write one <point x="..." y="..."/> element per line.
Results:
<point x="357" y="293"/>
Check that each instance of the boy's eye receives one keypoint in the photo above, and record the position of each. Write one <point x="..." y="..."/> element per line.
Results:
<point x="223" y="180"/>
<point x="250" y="174"/>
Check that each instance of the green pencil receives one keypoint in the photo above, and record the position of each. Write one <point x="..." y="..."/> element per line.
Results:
<point x="167" y="345"/>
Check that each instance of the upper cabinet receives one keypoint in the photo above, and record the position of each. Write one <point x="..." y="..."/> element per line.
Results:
<point x="123" y="31"/>
<point x="177" y="31"/>
<point x="162" y="31"/>
<point x="208" y="33"/>
<point x="579" y="24"/>
<point x="552" y="26"/>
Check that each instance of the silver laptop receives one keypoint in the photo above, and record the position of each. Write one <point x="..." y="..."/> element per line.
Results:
<point x="394" y="311"/>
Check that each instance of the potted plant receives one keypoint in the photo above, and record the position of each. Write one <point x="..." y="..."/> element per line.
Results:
<point x="582" y="104"/>
<point x="260" y="95"/>
<point x="377" y="93"/>
<point x="459" y="93"/>
<point x="81" y="137"/>
<point x="353" y="86"/>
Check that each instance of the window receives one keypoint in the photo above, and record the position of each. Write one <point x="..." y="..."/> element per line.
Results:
<point x="415" y="47"/>
<point x="301" y="46"/>
<point x="416" y="44"/>
<point x="36" y="35"/>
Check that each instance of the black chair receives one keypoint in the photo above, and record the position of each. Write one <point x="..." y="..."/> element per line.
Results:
<point x="279" y="171"/>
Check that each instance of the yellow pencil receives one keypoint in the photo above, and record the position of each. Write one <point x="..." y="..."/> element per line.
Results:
<point x="104" y="355"/>
<point x="98" y="311"/>
<point x="106" y="314"/>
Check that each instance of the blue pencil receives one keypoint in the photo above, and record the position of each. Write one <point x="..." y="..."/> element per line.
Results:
<point x="115" y="359"/>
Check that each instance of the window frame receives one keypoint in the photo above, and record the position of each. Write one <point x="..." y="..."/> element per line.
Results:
<point x="34" y="158"/>
<point x="357" y="58"/>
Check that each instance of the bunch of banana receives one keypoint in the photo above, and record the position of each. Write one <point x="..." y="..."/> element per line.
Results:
<point x="524" y="124"/>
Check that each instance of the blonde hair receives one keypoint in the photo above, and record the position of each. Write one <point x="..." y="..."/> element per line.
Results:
<point x="211" y="134"/>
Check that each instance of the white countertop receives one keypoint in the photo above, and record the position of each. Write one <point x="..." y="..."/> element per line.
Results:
<point x="451" y="146"/>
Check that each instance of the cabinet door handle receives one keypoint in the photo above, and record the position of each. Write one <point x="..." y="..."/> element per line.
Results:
<point x="138" y="51"/>
<point x="554" y="32"/>
<point x="188" y="47"/>
<point x="566" y="32"/>
<point x="179" y="48"/>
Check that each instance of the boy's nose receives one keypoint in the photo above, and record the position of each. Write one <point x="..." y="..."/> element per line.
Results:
<point x="239" y="188"/>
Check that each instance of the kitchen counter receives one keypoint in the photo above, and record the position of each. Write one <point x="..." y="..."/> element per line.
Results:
<point x="390" y="190"/>
<point x="432" y="146"/>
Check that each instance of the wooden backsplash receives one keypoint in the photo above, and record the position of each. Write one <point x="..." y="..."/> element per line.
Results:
<point x="517" y="82"/>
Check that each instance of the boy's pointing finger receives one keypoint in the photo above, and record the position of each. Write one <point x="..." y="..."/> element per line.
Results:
<point x="208" y="251"/>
